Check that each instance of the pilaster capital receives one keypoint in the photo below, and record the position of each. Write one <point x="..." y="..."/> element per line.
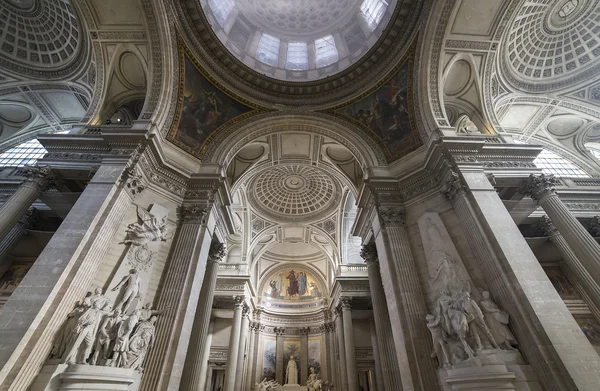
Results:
<point x="392" y="216"/>
<point x="29" y="218"/>
<point x="192" y="213"/>
<point x="595" y="226"/>
<point x="279" y="331"/>
<point x="545" y="224"/>
<point x="539" y="187"/>
<point x="453" y="186"/>
<point x="369" y="254"/>
<point x="346" y="303"/>
<point x="239" y="301"/>
<point x="255" y="326"/>
<point x="217" y="252"/>
<point x="245" y="310"/>
<point x="304" y="330"/>
<point x="133" y="180"/>
<point x="39" y="176"/>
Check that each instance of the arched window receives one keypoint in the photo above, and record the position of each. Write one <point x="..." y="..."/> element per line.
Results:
<point x="552" y="163"/>
<point x="221" y="9"/>
<point x="297" y="56"/>
<point x="268" y="49"/>
<point x="326" y="52"/>
<point x="373" y="11"/>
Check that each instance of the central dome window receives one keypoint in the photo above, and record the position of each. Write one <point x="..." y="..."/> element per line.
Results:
<point x="298" y="40"/>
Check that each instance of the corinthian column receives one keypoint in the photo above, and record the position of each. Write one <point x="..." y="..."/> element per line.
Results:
<point x="383" y="328"/>
<point x="8" y="243"/>
<point x="574" y="267"/>
<point x="405" y="301"/>
<point x="339" y="325"/>
<point x="239" y="375"/>
<point x="279" y="369"/>
<point x="38" y="179"/>
<point x="234" y="344"/>
<point x="584" y="246"/>
<point x="349" y="347"/>
<point x="193" y="376"/>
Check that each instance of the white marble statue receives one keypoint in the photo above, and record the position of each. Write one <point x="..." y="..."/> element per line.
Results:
<point x="130" y="286"/>
<point x="440" y="349"/>
<point x="99" y="297"/>
<point x="141" y="341"/>
<point x="84" y="335"/>
<point x="291" y="372"/>
<point x="150" y="229"/>
<point x="314" y="383"/>
<point x="267" y="385"/>
<point x="476" y="320"/>
<point x="64" y="337"/>
<point x="497" y="321"/>
<point x="105" y="336"/>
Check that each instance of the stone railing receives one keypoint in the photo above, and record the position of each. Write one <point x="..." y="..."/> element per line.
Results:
<point x="233" y="269"/>
<point x="354" y="269"/>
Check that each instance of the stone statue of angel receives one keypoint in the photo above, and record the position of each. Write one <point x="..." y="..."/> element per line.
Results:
<point x="150" y="229"/>
<point x="314" y="383"/>
<point x="267" y="385"/>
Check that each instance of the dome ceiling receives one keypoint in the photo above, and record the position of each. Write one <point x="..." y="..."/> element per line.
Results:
<point x="553" y="44"/>
<point x="298" y="40"/>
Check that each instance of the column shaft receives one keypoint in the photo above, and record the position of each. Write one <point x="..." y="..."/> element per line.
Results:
<point x="379" y="382"/>
<point x="547" y="333"/>
<point x="279" y="369"/>
<point x="383" y="329"/>
<point x="239" y="375"/>
<point x="350" y="348"/>
<point x="205" y="379"/>
<point x="406" y="304"/>
<point x="234" y="347"/>
<point x="7" y="244"/>
<point x="304" y="357"/>
<point x="343" y="369"/>
<point x="252" y="357"/>
<point x="192" y="370"/>
<point x="16" y="206"/>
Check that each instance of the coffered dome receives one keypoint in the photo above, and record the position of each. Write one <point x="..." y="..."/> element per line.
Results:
<point x="293" y="193"/>
<point x="298" y="39"/>
<point x="553" y="43"/>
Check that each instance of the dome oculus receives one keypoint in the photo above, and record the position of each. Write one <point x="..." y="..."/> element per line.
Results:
<point x="298" y="40"/>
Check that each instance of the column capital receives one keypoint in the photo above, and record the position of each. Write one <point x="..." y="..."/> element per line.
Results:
<point x="545" y="224"/>
<point x="304" y="330"/>
<point x="239" y="301"/>
<point x="346" y="303"/>
<point x="39" y="176"/>
<point x="539" y="187"/>
<point x="368" y="252"/>
<point x="132" y="180"/>
<point x="217" y="252"/>
<point x="595" y="226"/>
<point x="392" y="216"/>
<point x="245" y="311"/>
<point x="192" y="213"/>
<point x="279" y="331"/>
<point x="454" y="186"/>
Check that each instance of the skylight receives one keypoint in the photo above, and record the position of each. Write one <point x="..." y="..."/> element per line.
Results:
<point x="325" y="51"/>
<point x="26" y="153"/>
<point x="551" y="163"/>
<point x="297" y="56"/>
<point x="373" y="11"/>
<point x="221" y="9"/>
<point x="268" y="50"/>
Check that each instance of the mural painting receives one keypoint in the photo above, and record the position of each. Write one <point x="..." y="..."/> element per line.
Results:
<point x="203" y="108"/>
<point x="314" y="354"/>
<point x="291" y="347"/>
<point x="387" y="113"/>
<point x="269" y="358"/>
<point x="561" y="283"/>
<point x="11" y="279"/>
<point x="293" y="284"/>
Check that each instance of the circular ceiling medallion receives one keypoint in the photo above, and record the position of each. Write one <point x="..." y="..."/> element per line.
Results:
<point x="564" y="126"/>
<point x="293" y="193"/>
<point x="550" y="44"/>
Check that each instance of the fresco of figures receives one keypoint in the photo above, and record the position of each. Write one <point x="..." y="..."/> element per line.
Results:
<point x="293" y="284"/>
<point x="269" y="358"/>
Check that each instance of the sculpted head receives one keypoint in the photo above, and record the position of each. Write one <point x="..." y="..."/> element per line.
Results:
<point x="429" y="318"/>
<point x="98" y="291"/>
<point x="486" y="295"/>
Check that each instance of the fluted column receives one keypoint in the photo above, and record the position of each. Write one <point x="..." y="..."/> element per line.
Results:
<point x="239" y="375"/>
<point x="405" y="301"/>
<point x="383" y="329"/>
<point x="234" y="344"/>
<point x="279" y="369"/>
<point x="304" y="331"/>
<point x="343" y="368"/>
<point x="192" y="377"/>
<point x="252" y="355"/>
<point x="205" y="379"/>
<point x="575" y="268"/>
<point x="349" y="346"/>
<point x="548" y="335"/>
<point x="377" y="356"/>
<point x="584" y="246"/>
<point x="38" y="178"/>
<point x="8" y="243"/>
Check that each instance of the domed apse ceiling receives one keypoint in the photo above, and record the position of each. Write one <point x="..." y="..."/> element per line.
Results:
<point x="553" y="44"/>
<point x="298" y="39"/>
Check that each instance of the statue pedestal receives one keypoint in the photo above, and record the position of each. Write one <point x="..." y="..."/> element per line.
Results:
<point x="293" y="387"/>
<point x="491" y="369"/>
<point x="63" y="377"/>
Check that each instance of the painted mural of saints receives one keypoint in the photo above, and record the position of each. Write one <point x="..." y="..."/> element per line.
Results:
<point x="293" y="289"/>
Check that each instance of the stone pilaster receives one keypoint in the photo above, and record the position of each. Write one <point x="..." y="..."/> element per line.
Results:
<point x="8" y="243"/>
<point x="234" y="344"/>
<point x="205" y="379"/>
<point x="192" y="377"/>
<point x="239" y="375"/>
<point x="405" y="300"/>
<point x="37" y="179"/>
<point x="379" y="383"/>
<point x="252" y="356"/>
<point x="342" y="367"/>
<point x="573" y="265"/>
<point x="584" y="246"/>
<point x="179" y="293"/>
<point x="349" y="347"/>
<point x="390" y="379"/>
<point x="304" y="331"/>
<point x="547" y="333"/>
<point x="279" y="369"/>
